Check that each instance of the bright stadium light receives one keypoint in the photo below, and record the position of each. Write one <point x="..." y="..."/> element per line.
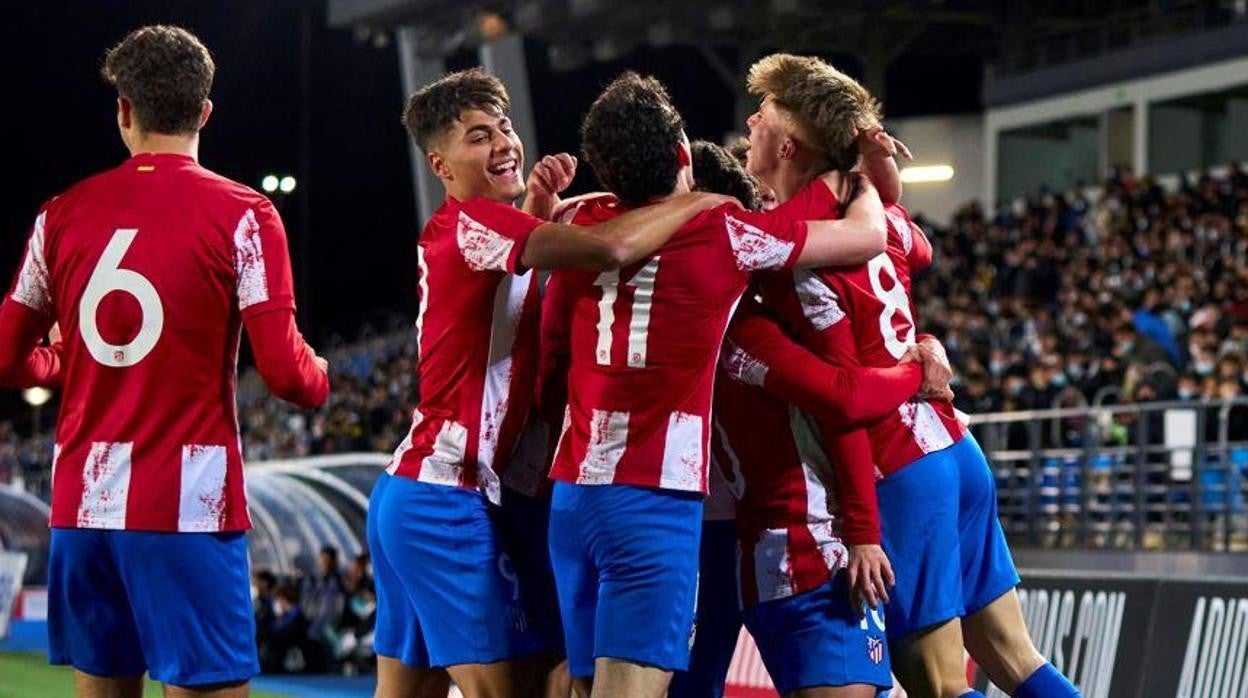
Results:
<point x="269" y="183"/>
<point x="287" y="185"/>
<point x="927" y="173"/>
<point x="36" y="397"/>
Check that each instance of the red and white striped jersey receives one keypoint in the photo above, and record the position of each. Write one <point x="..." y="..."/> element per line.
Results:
<point x="150" y="269"/>
<point x="864" y="315"/>
<point x="770" y="452"/>
<point x="644" y="340"/>
<point x="477" y="345"/>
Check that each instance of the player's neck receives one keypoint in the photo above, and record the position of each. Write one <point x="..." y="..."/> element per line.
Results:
<point x="789" y="179"/>
<point x="163" y="143"/>
<point x="682" y="187"/>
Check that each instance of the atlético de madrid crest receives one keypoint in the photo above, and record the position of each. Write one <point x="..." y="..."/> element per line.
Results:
<point x="875" y="650"/>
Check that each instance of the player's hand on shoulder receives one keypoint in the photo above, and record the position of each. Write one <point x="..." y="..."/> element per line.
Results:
<point x="913" y="355"/>
<point x="937" y="373"/>
<point x="870" y="575"/>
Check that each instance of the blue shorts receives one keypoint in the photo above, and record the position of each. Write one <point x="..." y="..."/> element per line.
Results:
<point x="938" y="517"/>
<point x="626" y="567"/>
<point x="718" y="616"/>
<point x="523" y="524"/>
<point x="446" y="589"/>
<point x="818" y="639"/>
<point x="176" y="605"/>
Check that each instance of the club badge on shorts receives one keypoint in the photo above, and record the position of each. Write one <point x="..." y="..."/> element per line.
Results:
<point x="875" y="649"/>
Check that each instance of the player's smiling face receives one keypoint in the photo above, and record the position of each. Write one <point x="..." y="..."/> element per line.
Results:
<point x="480" y="156"/>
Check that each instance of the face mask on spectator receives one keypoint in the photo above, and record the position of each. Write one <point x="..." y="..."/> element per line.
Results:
<point x="1204" y="368"/>
<point x="1186" y="393"/>
<point x="1059" y="380"/>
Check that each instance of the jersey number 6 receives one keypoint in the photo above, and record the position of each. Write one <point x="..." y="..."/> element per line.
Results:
<point x="108" y="277"/>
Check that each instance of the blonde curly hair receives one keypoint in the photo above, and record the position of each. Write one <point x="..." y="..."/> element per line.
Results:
<point x="828" y="108"/>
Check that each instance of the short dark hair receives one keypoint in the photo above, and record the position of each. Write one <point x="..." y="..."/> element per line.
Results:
<point x="716" y="170"/>
<point x="166" y="73"/>
<point x="630" y="136"/>
<point x="740" y="149"/>
<point x="433" y="108"/>
<point x="288" y="591"/>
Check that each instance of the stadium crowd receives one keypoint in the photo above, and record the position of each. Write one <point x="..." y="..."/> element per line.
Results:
<point x="1140" y="294"/>
<point x="1133" y="295"/>
<point x="320" y="622"/>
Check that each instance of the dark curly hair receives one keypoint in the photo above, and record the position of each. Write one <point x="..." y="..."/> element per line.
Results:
<point x="629" y="137"/>
<point x="740" y="149"/>
<point x="717" y="171"/>
<point x="165" y="73"/>
<point x="433" y="108"/>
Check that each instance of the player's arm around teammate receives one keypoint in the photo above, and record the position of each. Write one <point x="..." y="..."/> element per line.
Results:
<point x="449" y="604"/>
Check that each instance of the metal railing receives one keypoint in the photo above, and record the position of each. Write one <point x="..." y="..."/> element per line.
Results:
<point x="1148" y="476"/>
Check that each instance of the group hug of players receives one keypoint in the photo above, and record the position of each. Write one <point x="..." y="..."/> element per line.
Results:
<point x="738" y="324"/>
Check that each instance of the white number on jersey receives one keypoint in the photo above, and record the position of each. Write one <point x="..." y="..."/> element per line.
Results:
<point x="895" y="301"/>
<point x="108" y="277"/>
<point x="639" y="326"/>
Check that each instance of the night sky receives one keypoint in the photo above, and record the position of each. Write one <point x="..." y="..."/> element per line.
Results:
<point x="360" y="201"/>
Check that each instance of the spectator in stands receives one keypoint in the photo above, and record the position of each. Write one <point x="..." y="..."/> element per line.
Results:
<point x="286" y="649"/>
<point x="358" y="574"/>
<point x="1133" y="347"/>
<point x="354" y="636"/>
<point x="324" y="599"/>
<point x="1189" y="387"/>
<point x="266" y="588"/>
<point x="1237" y="419"/>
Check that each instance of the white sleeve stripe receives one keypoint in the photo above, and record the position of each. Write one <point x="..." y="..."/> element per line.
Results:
<point x="33" y="289"/>
<point x="482" y="248"/>
<point x="819" y="302"/>
<point x="252" y="277"/>
<point x="756" y="249"/>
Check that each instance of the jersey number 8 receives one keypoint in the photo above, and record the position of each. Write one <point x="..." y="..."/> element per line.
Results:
<point x="895" y="300"/>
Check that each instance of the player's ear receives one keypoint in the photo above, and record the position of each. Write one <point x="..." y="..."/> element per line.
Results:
<point x="437" y="163"/>
<point x="204" y="112"/>
<point x="788" y="148"/>
<point x="684" y="154"/>
<point x="125" y="113"/>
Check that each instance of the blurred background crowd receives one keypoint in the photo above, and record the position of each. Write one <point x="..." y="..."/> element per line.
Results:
<point x="1132" y="294"/>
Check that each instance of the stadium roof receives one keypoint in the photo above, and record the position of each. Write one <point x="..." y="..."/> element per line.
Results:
<point x="1015" y="37"/>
